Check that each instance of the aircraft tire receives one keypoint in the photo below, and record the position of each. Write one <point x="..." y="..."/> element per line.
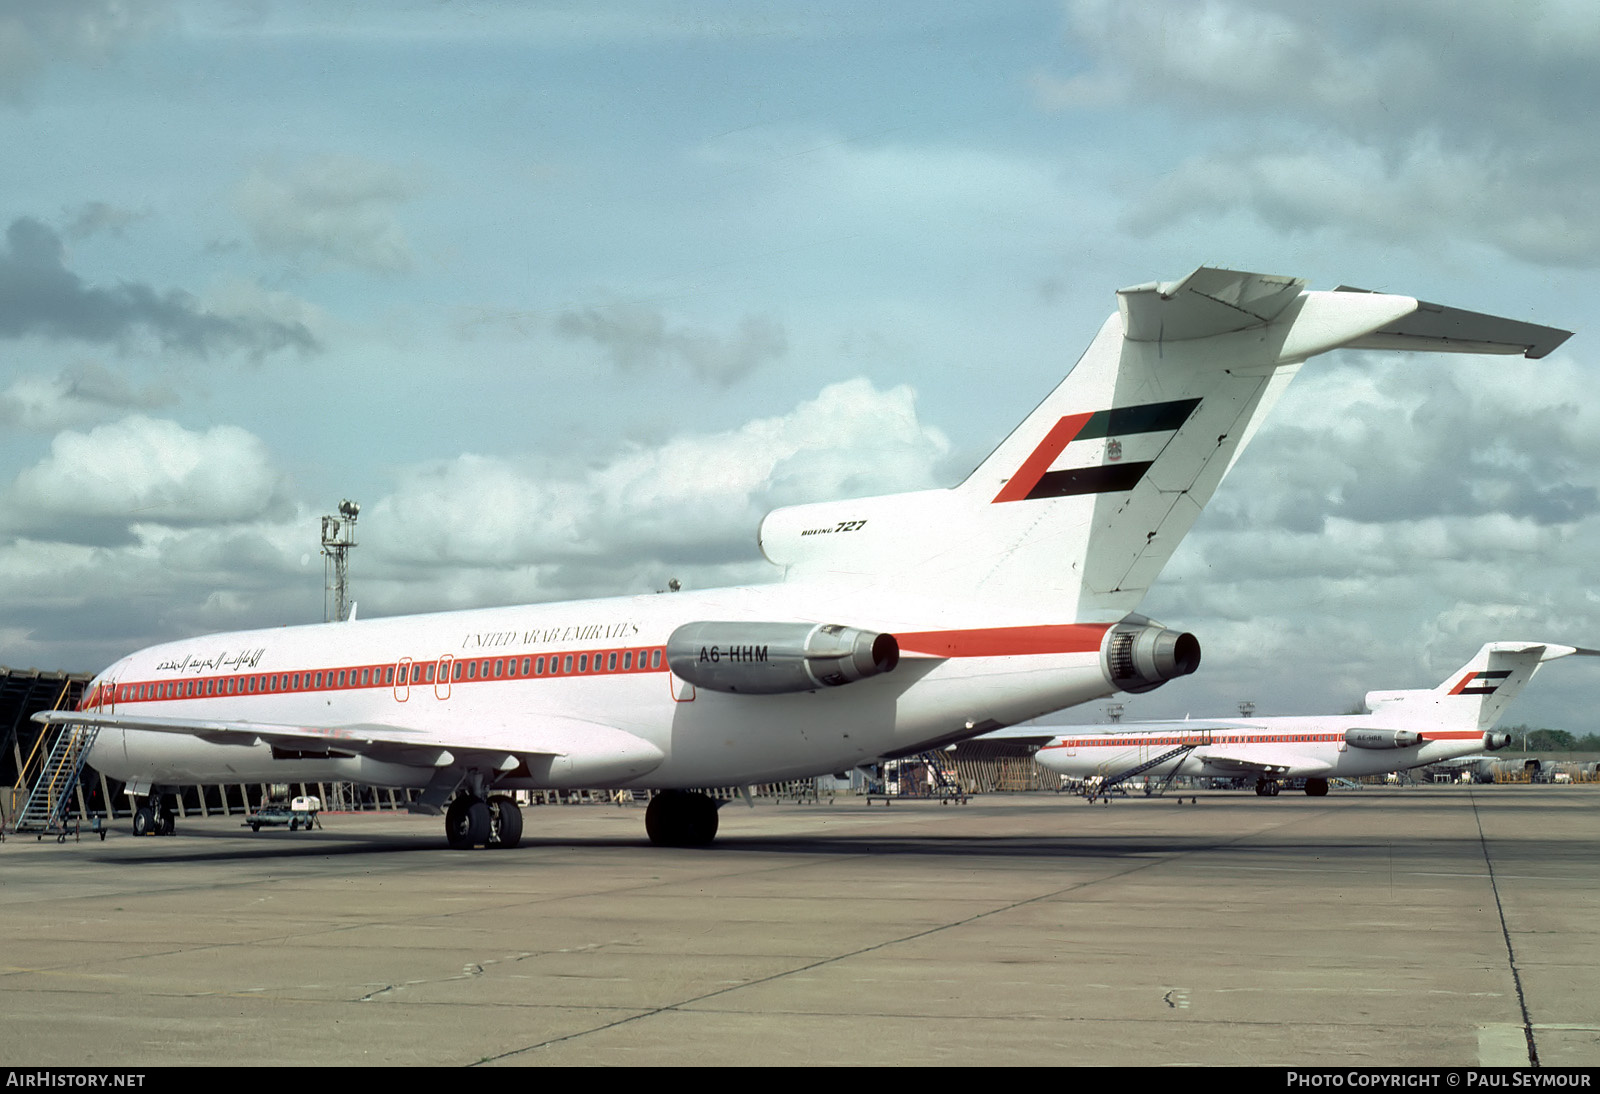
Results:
<point x="466" y="823"/>
<point x="681" y="818"/>
<point x="167" y="824"/>
<point x="505" y="822"/>
<point x="1317" y="788"/>
<point x="144" y="821"/>
<point x="479" y="824"/>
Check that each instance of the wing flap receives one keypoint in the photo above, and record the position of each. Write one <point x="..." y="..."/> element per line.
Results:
<point x="1266" y="761"/>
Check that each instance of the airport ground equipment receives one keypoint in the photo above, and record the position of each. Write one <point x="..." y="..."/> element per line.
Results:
<point x="51" y="775"/>
<point x="1093" y="790"/>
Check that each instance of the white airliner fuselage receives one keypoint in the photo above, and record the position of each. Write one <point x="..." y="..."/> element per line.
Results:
<point x="593" y="673"/>
<point x="1312" y="748"/>
<point x="903" y="621"/>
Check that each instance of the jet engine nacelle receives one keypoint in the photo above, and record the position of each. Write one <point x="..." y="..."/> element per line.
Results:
<point x="773" y="658"/>
<point x="1494" y="742"/>
<point x="1382" y="738"/>
<point x="1141" y="655"/>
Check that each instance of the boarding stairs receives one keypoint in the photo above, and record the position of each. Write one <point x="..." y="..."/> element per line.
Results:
<point x="948" y="789"/>
<point x="51" y="775"/>
<point x="942" y="783"/>
<point x="1102" y="789"/>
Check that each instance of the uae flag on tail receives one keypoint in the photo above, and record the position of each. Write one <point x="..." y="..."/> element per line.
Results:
<point x="1098" y="453"/>
<point x="1480" y="683"/>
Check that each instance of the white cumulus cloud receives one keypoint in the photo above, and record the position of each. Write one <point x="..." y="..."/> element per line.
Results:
<point x="95" y="487"/>
<point x="688" y="507"/>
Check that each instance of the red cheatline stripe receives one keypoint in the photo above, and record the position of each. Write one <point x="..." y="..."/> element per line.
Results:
<point x="1033" y="468"/>
<point x="1006" y="641"/>
<point x="1220" y="737"/>
<point x="382" y="677"/>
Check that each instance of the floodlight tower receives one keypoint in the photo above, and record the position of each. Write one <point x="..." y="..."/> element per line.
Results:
<point x="338" y="536"/>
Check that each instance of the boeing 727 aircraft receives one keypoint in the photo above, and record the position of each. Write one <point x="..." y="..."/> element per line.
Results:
<point x="902" y="622"/>
<point x="1405" y="729"/>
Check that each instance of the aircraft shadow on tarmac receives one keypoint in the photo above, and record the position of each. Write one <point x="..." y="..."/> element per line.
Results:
<point x="201" y="844"/>
<point x="218" y="847"/>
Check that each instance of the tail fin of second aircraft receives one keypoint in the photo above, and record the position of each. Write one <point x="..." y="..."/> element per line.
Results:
<point x="1077" y="511"/>
<point x="1477" y="694"/>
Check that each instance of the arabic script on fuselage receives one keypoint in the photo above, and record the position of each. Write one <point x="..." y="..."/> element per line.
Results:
<point x="222" y="662"/>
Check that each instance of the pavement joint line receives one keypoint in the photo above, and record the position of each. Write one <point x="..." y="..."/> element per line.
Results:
<point x="886" y="943"/>
<point x="1505" y="931"/>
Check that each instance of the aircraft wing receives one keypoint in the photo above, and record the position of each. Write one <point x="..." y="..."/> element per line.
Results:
<point x="542" y="743"/>
<point x="1466" y="761"/>
<point x="1042" y="732"/>
<point x="1266" y="761"/>
<point x="1039" y="735"/>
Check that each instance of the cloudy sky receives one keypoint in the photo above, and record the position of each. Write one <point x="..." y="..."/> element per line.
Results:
<point x="567" y="295"/>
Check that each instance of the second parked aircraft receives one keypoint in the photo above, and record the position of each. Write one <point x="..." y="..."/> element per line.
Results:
<point x="1404" y="729"/>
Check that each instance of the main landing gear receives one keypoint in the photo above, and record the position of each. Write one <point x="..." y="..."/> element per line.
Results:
<point x="155" y="817"/>
<point x="471" y="821"/>
<point x="681" y="818"/>
<point x="674" y="818"/>
<point x="1268" y="788"/>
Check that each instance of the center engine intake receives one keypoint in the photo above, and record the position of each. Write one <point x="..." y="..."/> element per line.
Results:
<point x="1140" y="655"/>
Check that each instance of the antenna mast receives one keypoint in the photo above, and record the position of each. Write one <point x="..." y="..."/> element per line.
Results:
<point x="338" y="536"/>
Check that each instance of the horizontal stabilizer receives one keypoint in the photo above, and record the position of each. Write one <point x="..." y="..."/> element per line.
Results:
<point x="1552" y="651"/>
<point x="1435" y="328"/>
<point x="1206" y="303"/>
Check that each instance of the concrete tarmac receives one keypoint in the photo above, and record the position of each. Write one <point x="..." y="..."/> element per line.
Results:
<point x="1431" y="926"/>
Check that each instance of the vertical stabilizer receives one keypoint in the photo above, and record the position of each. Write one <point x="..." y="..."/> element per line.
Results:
<point x="1476" y="695"/>
<point x="1078" y="510"/>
